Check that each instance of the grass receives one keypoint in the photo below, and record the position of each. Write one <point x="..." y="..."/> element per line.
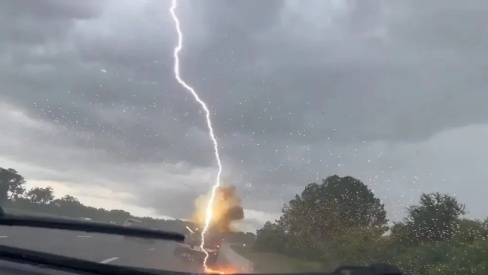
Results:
<point x="265" y="262"/>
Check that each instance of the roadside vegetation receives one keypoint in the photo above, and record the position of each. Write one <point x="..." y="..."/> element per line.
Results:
<point x="340" y="221"/>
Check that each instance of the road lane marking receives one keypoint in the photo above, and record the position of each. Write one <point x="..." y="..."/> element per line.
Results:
<point x="3" y="237"/>
<point x="152" y="249"/>
<point x="106" y="261"/>
<point x="83" y="236"/>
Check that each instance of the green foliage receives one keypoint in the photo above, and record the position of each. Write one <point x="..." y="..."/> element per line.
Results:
<point x="341" y="222"/>
<point x="40" y="195"/>
<point x="310" y="221"/>
<point x="270" y="238"/>
<point x="433" y="219"/>
<point x="11" y="185"/>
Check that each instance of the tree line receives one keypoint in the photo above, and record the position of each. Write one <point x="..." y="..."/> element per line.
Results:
<point x="16" y="199"/>
<point x="341" y="221"/>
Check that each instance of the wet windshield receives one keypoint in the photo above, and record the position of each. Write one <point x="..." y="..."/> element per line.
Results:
<point x="293" y="135"/>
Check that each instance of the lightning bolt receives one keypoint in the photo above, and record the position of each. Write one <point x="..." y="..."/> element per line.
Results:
<point x="176" y="52"/>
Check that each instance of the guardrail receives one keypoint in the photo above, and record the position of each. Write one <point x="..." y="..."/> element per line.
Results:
<point x="235" y="259"/>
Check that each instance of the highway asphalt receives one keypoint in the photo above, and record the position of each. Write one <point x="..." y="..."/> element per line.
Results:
<point x="97" y="247"/>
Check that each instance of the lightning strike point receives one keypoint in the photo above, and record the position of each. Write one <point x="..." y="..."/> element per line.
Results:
<point x="191" y="90"/>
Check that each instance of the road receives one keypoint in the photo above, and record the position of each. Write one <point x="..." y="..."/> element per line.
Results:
<point x="97" y="247"/>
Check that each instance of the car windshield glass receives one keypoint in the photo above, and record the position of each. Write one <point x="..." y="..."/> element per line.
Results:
<point x="277" y="136"/>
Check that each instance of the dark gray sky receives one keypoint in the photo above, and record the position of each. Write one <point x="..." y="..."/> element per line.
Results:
<point x="392" y="92"/>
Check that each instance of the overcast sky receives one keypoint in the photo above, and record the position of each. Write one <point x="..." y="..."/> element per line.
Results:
<point x="391" y="92"/>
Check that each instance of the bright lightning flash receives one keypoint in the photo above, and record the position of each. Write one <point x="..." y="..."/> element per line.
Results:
<point x="210" y="205"/>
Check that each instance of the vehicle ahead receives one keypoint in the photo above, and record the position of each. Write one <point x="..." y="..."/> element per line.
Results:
<point x="191" y="250"/>
<point x="136" y="223"/>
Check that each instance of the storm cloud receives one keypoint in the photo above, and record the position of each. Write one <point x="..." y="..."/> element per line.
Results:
<point x="389" y="91"/>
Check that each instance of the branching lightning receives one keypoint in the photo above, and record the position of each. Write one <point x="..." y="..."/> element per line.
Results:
<point x="210" y="205"/>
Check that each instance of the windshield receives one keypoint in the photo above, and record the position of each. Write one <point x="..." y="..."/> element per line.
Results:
<point x="293" y="135"/>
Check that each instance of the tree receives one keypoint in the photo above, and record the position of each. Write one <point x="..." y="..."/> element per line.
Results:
<point x="41" y="195"/>
<point x="467" y="231"/>
<point x="357" y="246"/>
<point x="11" y="185"/>
<point x="333" y="205"/>
<point x="308" y="224"/>
<point x="356" y="203"/>
<point x="310" y="220"/>
<point x="432" y="220"/>
<point x="270" y="238"/>
<point x="68" y="206"/>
